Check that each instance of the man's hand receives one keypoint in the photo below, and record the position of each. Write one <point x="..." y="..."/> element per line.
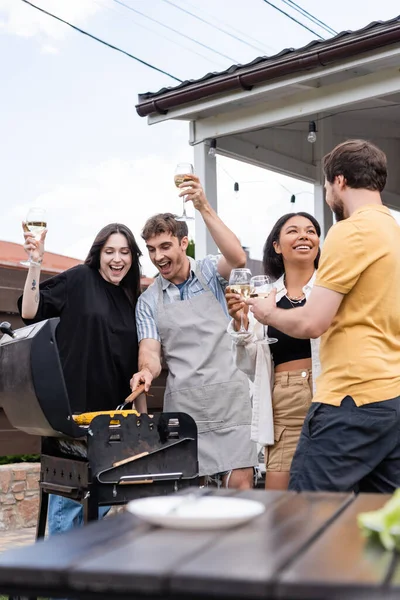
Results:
<point x="236" y="306"/>
<point x="193" y="190"/>
<point x="263" y="308"/>
<point x="143" y="376"/>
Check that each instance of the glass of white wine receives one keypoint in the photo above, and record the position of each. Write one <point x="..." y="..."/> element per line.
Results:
<point x="239" y="283"/>
<point x="261" y="286"/>
<point x="182" y="174"/>
<point x="36" y="222"/>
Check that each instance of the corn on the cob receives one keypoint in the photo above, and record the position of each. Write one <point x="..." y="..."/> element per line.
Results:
<point x="86" y="418"/>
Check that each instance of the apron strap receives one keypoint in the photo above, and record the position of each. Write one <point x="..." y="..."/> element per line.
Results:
<point x="201" y="278"/>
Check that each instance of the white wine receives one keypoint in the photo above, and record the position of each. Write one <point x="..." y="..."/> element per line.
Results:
<point x="36" y="227"/>
<point x="241" y="288"/>
<point x="179" y="179"/>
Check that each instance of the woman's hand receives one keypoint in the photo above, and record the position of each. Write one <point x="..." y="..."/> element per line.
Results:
<point x="236" y="306"/>
<point x="32" y="246"/>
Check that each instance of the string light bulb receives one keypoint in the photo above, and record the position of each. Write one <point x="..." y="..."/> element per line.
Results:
<point x="312" y="132"/>
<point x="212" y="149"/>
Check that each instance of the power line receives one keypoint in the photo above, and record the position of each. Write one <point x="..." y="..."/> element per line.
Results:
<point x="262" y="49"/>
<point x="293" y="19"/>
<point x="174" y="30"/>
<point x="235" y="37"/>
<point x="310" y="16"/>
<point x="165" y="37"/>
<point x="143" y="62"/>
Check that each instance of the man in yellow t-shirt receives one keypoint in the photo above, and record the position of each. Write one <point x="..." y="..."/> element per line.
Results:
<point x="351" y="436"/>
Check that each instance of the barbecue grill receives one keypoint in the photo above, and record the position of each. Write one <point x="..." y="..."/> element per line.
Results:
<point x="109" y="461"/>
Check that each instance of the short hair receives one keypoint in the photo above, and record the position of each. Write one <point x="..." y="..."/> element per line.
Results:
<point x="362" y="164"/>
<point x="131" y="282"/>
<point x="165" y="223"/>
<point x="272" y="261"/>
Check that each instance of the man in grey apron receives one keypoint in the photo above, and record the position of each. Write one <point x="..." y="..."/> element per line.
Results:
<point x="184" y="313"/>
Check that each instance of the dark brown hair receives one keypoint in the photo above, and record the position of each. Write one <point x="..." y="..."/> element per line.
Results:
<point x="131" y="282"/>
<point x="362" y="164"/>
<point x="164" y="223"/>
<point x="272" y="261"/>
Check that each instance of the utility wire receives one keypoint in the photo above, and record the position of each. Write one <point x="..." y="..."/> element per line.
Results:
<point x="235" y="37"/>
<point x="165" y="37"/>
<point x="310" y="16"/>
<point x="174" y="30"/>
<point x="293" y="19"/>
<point x="143" y="62"/>
<point x="262" y="49"/>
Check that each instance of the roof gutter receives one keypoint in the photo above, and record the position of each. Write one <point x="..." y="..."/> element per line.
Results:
<point x="247" y="78"/>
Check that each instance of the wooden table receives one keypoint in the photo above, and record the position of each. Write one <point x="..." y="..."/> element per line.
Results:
<point x="304" y="546"/>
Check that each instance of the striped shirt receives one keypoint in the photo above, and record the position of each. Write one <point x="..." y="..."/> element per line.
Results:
<point x="146" y="307"/>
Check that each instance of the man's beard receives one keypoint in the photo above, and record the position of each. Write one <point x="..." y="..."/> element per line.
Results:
<point x="338" y="209"/>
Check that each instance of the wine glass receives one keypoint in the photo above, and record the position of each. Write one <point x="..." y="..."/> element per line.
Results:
<point x="182" y="174"/>
<point x="239" y="283"/>
<point x="36" y="222"/>
<point x="261" y="286"/>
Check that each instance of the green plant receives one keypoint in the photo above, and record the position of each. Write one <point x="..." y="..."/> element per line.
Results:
<point x="190" y="250"/>
<point x="19" y="458"/>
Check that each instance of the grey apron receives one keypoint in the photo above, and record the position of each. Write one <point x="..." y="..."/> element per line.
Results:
<point x="203" y="380"/>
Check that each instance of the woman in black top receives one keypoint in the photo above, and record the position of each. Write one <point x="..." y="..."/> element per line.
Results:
<point x="291" y="255"/>
<point x="96" y="335"/>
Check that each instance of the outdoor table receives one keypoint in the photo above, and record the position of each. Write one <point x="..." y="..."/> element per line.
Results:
<point x="305" y="545"/>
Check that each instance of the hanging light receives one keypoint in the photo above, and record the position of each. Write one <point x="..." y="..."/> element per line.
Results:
<point x="212" y="149"/>
<point x="292" y="198"/>
<point x="236" y="189"/>
<point x="312" y="132"/>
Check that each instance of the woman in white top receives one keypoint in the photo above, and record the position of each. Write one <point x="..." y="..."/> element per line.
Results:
<point x="282" y="373"/>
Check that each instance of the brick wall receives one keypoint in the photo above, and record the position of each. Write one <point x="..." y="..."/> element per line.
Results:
<point x="19" y="495"/>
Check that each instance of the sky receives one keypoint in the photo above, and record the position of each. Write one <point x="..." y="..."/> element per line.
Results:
<point x="72" y="142"/>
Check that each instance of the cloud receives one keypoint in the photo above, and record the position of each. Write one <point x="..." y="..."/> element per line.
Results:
<point x="20" y="19"/>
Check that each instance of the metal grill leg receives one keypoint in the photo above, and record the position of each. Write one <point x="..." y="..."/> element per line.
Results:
<point x="90" y="507"/>
<point x="42" y="519"/>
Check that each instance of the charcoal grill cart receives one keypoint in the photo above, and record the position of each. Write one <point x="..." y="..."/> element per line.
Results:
<point x="109" y="461"/>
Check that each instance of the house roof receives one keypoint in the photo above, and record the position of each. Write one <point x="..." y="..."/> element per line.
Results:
<point x="316" y="54"/>
<point x="11" y="254"/>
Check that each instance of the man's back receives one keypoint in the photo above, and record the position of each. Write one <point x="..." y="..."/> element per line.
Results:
<point x="360" y="352"/>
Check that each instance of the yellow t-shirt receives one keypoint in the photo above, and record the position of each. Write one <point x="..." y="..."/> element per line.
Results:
<point x="360" y="352"/>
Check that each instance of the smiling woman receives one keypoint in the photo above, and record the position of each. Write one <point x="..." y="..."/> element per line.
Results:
<point x="291" y="255"/>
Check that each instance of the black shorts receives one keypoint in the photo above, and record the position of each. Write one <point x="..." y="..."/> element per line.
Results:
<point x="349" y="448"/>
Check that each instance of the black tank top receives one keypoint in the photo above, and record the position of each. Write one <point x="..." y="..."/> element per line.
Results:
<point x="288" y="348"/>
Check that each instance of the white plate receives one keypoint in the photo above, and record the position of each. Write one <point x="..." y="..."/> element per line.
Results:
<point x="195" y="512"/>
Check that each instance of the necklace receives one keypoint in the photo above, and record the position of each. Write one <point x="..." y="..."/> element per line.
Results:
<point x="295" y="301"/>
